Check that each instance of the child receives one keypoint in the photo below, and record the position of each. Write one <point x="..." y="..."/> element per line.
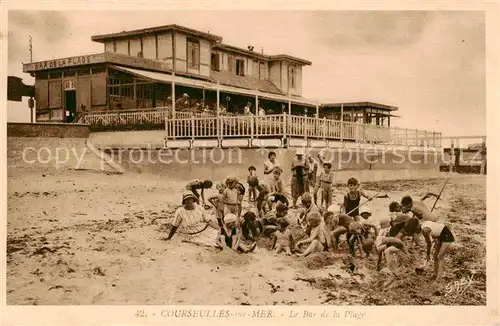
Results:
<point x="282" y="238"/>
<point x="218" y="202"/>
<point x="343" y="223"/>
<point x="240" y="189"/>
<point x="390" y="245"/>
<point x="253" y="182"/>
<point x="418" y="208"/>
<point x="194" y="185"/>
<point x="250" y="226"/>
<point x="353" y="198"/>
<point x="317" y="240"/>
<point x="325" y="185"/>
<point x="309" y="208"/>
<point x="229" y="236"/>
<point x="262" y="198"/>
<point x="230" y="197"/>
<point x="275" y="185"/>
<point x="440" y="233"/>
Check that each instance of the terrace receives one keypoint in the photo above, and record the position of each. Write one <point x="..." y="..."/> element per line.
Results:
<point x="189" y="125"/>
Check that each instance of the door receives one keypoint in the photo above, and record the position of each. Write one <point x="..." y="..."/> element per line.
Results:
<point x="70" y="105"/>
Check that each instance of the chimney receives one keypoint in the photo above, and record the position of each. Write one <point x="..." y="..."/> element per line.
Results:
<point x="250" y="48"/>
<point x="262" y="50"/>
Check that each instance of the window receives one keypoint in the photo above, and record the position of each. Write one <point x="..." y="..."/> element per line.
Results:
<point x="215" y="61"/>
<point x="262" y="71"/>
<point x="292" y="77"/>
<point x="230" y="63"/>
<point x="193" y="54"/>
<point x="240" y="67"/>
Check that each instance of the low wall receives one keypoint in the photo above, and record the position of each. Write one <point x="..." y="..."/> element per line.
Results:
<point x="217" y="164"/>
<point x="61" y="130"/>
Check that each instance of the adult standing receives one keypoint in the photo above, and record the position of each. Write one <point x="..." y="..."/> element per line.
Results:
<point x="269" y="166"/>
<point x="300" y="170"/>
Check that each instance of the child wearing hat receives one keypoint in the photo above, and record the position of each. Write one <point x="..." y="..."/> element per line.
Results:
<point x="325" y="185"/>
<point x="229" y="236"/>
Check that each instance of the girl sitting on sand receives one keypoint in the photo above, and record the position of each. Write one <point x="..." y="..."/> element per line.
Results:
<point x="282" y="238"/>
<point x="229" y="236"/>
<point x="317" y="239"/>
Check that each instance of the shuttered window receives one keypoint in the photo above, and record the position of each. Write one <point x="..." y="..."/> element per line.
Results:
<point x="98" y="85"/>
<point x="55" y="94"/>
<point x="42" y="94"/>
<point x="193" y="54"/>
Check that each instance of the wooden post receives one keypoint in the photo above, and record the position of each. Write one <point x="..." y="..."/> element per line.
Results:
<point x="217" y="114"/>
<point x="452" y="155"/>
<point x="252" y="129"/>
<point x="173" y="107"/>
<point x="342" y="123"/>
<point x="289" y="104"/>
<point x="483" y="156"/>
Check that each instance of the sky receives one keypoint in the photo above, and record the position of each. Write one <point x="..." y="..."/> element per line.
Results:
<point x="430" y="64"/>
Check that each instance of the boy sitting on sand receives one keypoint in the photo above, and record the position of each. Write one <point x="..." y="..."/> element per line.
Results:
<point x="253" y="182"/>
<point x="196" y="185"/>
<point x="317" y="239"/>
<point x="217" y="202"/>
<point x="282" y="238"/>
<point x="250" y="226"/>
<point x="229" y="236"/>
<point x="440" y="233"/>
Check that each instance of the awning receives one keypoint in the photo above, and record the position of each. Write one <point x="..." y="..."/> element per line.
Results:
<point x="167" y="78"/>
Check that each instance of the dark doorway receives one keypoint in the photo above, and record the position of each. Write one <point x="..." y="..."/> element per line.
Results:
<point x="70" y="105"/>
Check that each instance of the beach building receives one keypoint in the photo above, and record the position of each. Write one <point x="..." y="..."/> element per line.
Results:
<point x="190" y="85"/>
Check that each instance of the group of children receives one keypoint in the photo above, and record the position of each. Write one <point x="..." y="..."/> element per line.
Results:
<point x="323" y="225"/>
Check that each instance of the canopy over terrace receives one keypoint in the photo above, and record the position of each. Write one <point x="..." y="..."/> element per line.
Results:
<point x="364" y="112"/>
<point x="218" y="86"/>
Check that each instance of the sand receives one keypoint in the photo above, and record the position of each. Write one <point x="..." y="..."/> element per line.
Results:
<point x="88" y="238"/>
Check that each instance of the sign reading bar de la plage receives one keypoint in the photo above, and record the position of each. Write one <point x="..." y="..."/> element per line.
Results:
<point x="64" y="62"/>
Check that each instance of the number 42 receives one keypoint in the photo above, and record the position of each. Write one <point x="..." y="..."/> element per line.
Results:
<point x="140" y="314"/>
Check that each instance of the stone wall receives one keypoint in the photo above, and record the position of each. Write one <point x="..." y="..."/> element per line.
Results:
<point x="60" y="130"/>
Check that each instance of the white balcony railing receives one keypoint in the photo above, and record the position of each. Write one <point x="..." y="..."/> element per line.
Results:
<point x="188" y="125"/>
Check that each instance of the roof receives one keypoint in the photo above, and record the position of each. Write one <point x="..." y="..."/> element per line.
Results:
<point x="360" y="104"/>
<point x="247" y="82"/>
<point x="158" y="29"/>
<point x="261" y="56"/>
<point x="235" y="49"/>
<point x="289" y="58"/>
<point x="168" y="78"/>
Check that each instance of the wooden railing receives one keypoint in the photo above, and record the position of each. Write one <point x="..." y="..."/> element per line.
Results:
<point x="189" y="125"/>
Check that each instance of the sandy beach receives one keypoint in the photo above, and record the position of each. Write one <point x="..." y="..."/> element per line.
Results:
<point x="89" y="238"/>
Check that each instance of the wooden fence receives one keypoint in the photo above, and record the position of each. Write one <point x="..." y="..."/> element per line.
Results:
<point x="188" y="125"/>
